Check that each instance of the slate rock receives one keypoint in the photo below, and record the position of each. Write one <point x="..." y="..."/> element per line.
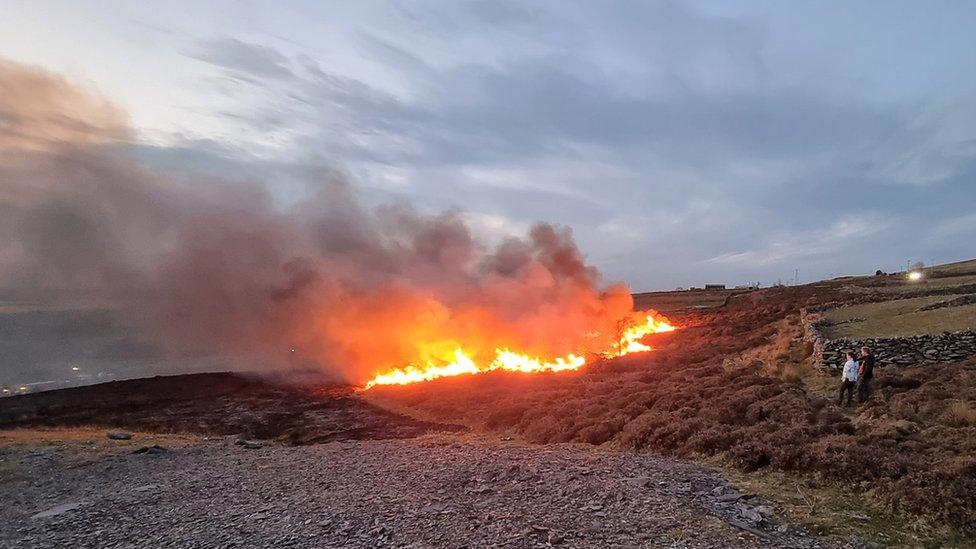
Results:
<point x="59" y="509"/>
<point x="155" y="449"/>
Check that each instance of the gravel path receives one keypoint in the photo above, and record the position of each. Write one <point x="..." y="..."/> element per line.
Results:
<point x="436" y="491"/>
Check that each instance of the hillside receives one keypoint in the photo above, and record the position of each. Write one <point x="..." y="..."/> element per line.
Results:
<point x="737" y="384"/>
<point x="735" y="387"/>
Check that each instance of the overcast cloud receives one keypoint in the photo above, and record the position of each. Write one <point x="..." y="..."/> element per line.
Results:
<point x="684" y="142"/>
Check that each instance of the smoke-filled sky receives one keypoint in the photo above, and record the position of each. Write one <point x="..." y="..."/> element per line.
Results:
<point x="112" y="265"/>
<point x="684" y="143"/>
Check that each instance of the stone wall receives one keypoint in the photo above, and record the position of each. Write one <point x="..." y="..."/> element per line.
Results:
<point x="904" y="351"/>
<point x="893" y="351"/>
<point x="810" y="320"/>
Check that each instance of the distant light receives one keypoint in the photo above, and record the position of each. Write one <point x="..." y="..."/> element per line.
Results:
<point x="915" y="276"/>
<point x="6" y="390"/>
<point x="74" y="368"/>
<point x="293" y="350"/>
<point x="22" y="388"/>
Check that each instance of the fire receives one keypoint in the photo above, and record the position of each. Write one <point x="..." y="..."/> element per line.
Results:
<point x="462" y="364"/>
<point x="631" y="336"/>
<point x="457" y="361"/>
<point x="515" y="362"/>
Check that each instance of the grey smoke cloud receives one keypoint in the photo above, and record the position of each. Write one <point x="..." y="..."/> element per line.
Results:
<point x="206" y="265"/>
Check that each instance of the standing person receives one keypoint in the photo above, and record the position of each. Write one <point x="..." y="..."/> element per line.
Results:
<point x="848" y="379"/>
<point x="864" y="374"/>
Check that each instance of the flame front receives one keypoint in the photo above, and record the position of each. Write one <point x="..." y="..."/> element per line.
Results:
<point x="462" y="364"/>
<point x="459" y="362"/>
<point x="630" y="337"/>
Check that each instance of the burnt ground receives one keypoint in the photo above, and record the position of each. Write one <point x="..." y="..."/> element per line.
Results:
<point x="216" y="404"/>
<point x="447" y="490"/>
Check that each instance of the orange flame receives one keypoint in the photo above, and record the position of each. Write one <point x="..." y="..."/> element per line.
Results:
<point x="630" y="337"/>
<point x="445" y="359"/>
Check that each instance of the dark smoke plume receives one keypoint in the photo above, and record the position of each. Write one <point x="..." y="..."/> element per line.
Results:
<point x="216" y="267"/>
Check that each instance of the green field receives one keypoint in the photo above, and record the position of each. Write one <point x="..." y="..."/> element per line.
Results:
<point x="899" y="317"/>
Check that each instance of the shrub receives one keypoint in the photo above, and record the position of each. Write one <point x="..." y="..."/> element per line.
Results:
<point x="961" y="414"/>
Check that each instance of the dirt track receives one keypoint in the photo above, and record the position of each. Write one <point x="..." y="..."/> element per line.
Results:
<point x="443" y="490"/>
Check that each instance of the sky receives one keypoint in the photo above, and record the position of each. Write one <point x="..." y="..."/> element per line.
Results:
<point x="684" y="142"/>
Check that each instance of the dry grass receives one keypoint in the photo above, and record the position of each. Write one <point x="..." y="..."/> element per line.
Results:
<point x="76" y="446"/>
<point x="92" y="436"/>
<point x="902" y="286"/>
<point x="900" y="317"/>
<point x="961" y="414"/>
<point x="679" y="301"/>
<point x="838" y="510"/>
<point x="784" y="355"/>
<point x="937" y="279"/>
<point x="955" y="269"/>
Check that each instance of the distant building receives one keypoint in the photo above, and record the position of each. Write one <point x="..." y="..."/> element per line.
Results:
<point x="747" y="287"/>
<point x="714" y="286"/>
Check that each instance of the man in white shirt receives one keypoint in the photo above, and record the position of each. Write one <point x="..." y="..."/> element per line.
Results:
<point x="848" y="379"/>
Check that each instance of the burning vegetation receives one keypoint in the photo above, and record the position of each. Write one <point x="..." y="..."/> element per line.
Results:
<point x="460" y="363"/>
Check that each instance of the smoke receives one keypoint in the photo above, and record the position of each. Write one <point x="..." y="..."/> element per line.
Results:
<point x="217" y="267"/>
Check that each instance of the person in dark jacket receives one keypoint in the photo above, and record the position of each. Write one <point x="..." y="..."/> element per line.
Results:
<point x="865" y="374"/>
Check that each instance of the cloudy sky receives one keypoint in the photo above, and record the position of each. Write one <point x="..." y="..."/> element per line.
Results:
<point x="684" y="143"/>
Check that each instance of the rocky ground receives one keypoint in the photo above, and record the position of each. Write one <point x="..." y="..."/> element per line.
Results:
<point x="445" y="490"/>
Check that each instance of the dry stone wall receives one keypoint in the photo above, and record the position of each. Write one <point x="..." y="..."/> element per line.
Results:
<point x="893" y="351"/>
<point x="905" y="351"/>
<point x="812" y="333"/>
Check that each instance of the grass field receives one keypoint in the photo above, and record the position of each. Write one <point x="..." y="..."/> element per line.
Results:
<point x="906" y="287"/>
<point x="899" y="317"/>
<point x="955" y="269"/>
<point x="681" y="300"/>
